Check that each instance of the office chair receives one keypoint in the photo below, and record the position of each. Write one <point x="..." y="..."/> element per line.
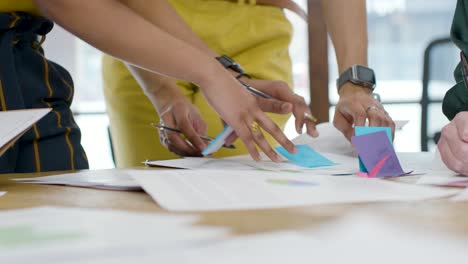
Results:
<point x="445" y="73"/>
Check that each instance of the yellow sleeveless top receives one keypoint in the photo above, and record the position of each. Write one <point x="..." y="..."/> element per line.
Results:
<point x="18" y="6"/>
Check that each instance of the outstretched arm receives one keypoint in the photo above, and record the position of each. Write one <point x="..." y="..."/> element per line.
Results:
<point x="119" y="31"/>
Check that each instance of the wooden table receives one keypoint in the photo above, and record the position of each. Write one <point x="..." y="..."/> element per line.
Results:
<point x="437" y="215"/>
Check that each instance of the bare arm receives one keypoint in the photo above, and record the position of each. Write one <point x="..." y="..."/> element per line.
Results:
<point x="347" y="24"/>
<point x="115" y="29"/>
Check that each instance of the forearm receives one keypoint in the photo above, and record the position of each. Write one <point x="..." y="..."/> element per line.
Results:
<point x="115" y="29"/>
<point x="159" y="89"/>
<point x="347" y="25"/>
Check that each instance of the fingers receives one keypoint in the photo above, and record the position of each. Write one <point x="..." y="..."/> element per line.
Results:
<point x="461" y="122"/>
<point x="260" y="140"/>
<point x="230" y="139"/>
<point x="347" y="116"/>
<point x="378" y="117"/>
<point x="359" y="116"/>
<point x="274" y="106"/>
<point x="275" y="132"/>
<point x="244" y="133"/>
<point x="187" y="128"/>
<point x="181" y="147"/>
<point x="450" y="159"/>
<point x="283" y="93"/>
<point x="343" y="125"/>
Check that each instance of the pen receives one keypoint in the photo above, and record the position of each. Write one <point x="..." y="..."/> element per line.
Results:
<point x="255" y="91"/>
<point x="163" y="127"/>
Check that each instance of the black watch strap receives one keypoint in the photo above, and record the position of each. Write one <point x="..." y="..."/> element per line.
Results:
<point x="358" y="75"/>
<point x="229" y="63"/>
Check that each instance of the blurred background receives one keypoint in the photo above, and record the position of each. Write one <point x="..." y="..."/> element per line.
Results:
<point x="401" y="32"/>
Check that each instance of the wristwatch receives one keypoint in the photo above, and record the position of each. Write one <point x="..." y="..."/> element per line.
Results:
<point x="359" y="75"/>
<point x="229" y="63"/>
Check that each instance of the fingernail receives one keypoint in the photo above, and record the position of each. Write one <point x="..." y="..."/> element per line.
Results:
<point x="294" y="150"/>
<point x="285" y="107"/>
<point x="315" y="133"/>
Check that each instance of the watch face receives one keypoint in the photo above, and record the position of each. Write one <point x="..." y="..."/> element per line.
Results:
<point x="365" y="74"/>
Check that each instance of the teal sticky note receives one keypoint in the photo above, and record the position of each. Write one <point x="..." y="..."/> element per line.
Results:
<point x="305" y="157"/>
<point x="361" y="130"/>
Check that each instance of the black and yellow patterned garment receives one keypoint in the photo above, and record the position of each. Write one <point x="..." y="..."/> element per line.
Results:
<point x="456" y="99"/>
<point x="28" y="80"/>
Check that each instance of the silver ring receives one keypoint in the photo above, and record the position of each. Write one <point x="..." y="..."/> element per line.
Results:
<point x="372" y="107"/>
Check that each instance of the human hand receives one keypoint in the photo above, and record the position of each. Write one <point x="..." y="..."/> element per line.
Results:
<point x="180" y="113"/>
<point x="285" y="101"/>
<point x="177" y="112"/>
<point x="357" y="104"/>
<point x="241" y="111"/>
<point x="453" y="144"/>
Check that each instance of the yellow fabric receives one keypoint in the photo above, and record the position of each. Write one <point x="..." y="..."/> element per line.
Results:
<point x="257" y="37"/>
<point x="18" y="6"/>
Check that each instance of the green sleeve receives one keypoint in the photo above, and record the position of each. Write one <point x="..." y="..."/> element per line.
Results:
<point x="456" y="99"/>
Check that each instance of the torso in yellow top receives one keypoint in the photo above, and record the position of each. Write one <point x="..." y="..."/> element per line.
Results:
<point x="18" y="6"/>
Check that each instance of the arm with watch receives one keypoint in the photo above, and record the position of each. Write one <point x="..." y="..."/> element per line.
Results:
<point x="347" y="24"/>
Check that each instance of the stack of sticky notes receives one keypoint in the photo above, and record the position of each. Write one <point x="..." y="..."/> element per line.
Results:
<point x="377" y="157"/>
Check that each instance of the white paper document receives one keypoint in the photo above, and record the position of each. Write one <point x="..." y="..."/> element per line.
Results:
<point x="99" y="179"/>
<point x="461" y="197"/>
<point x="66" y="235"/>
<point x="223" y="164"/>
<point x="354" y="239"/>
<point x="208" y="190"/>
<point x="2" y="193"/>
<point x="344" y="164"/>
<point x="16" y="123"/>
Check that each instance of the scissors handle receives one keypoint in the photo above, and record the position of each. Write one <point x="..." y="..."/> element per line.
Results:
<point x="205" y="138"/>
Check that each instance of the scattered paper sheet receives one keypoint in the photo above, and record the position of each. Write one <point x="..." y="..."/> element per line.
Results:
<point x="65" y="235"/>
<point x="207" y="190"/>
<point x="432" y="179"/>
<point x="99" y="179"/>
<point x="351" y="239"/>
<point x="345" y="165"/>
<point x="16" y="123"/>
<point x="222" y="164"/>
<point x="305" y="157"/>
<point x="377" y="154"/>
<point x="461" y="197"/>
<point x="218" y="142"/>
<point x="2" y="193"/>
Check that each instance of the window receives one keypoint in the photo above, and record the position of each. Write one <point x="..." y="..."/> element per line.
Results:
<point x="399" y="31"/>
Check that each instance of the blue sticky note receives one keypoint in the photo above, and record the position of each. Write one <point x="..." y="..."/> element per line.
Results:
<point x="218" y="142"/>
<point x="362" y="130"/>
<point x="305" y="157"/>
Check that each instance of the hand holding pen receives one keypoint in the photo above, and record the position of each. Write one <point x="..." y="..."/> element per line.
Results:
<point x="277" y="97"/>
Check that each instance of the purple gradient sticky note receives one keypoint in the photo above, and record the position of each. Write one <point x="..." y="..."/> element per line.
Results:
<point x="378" y="155"/>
